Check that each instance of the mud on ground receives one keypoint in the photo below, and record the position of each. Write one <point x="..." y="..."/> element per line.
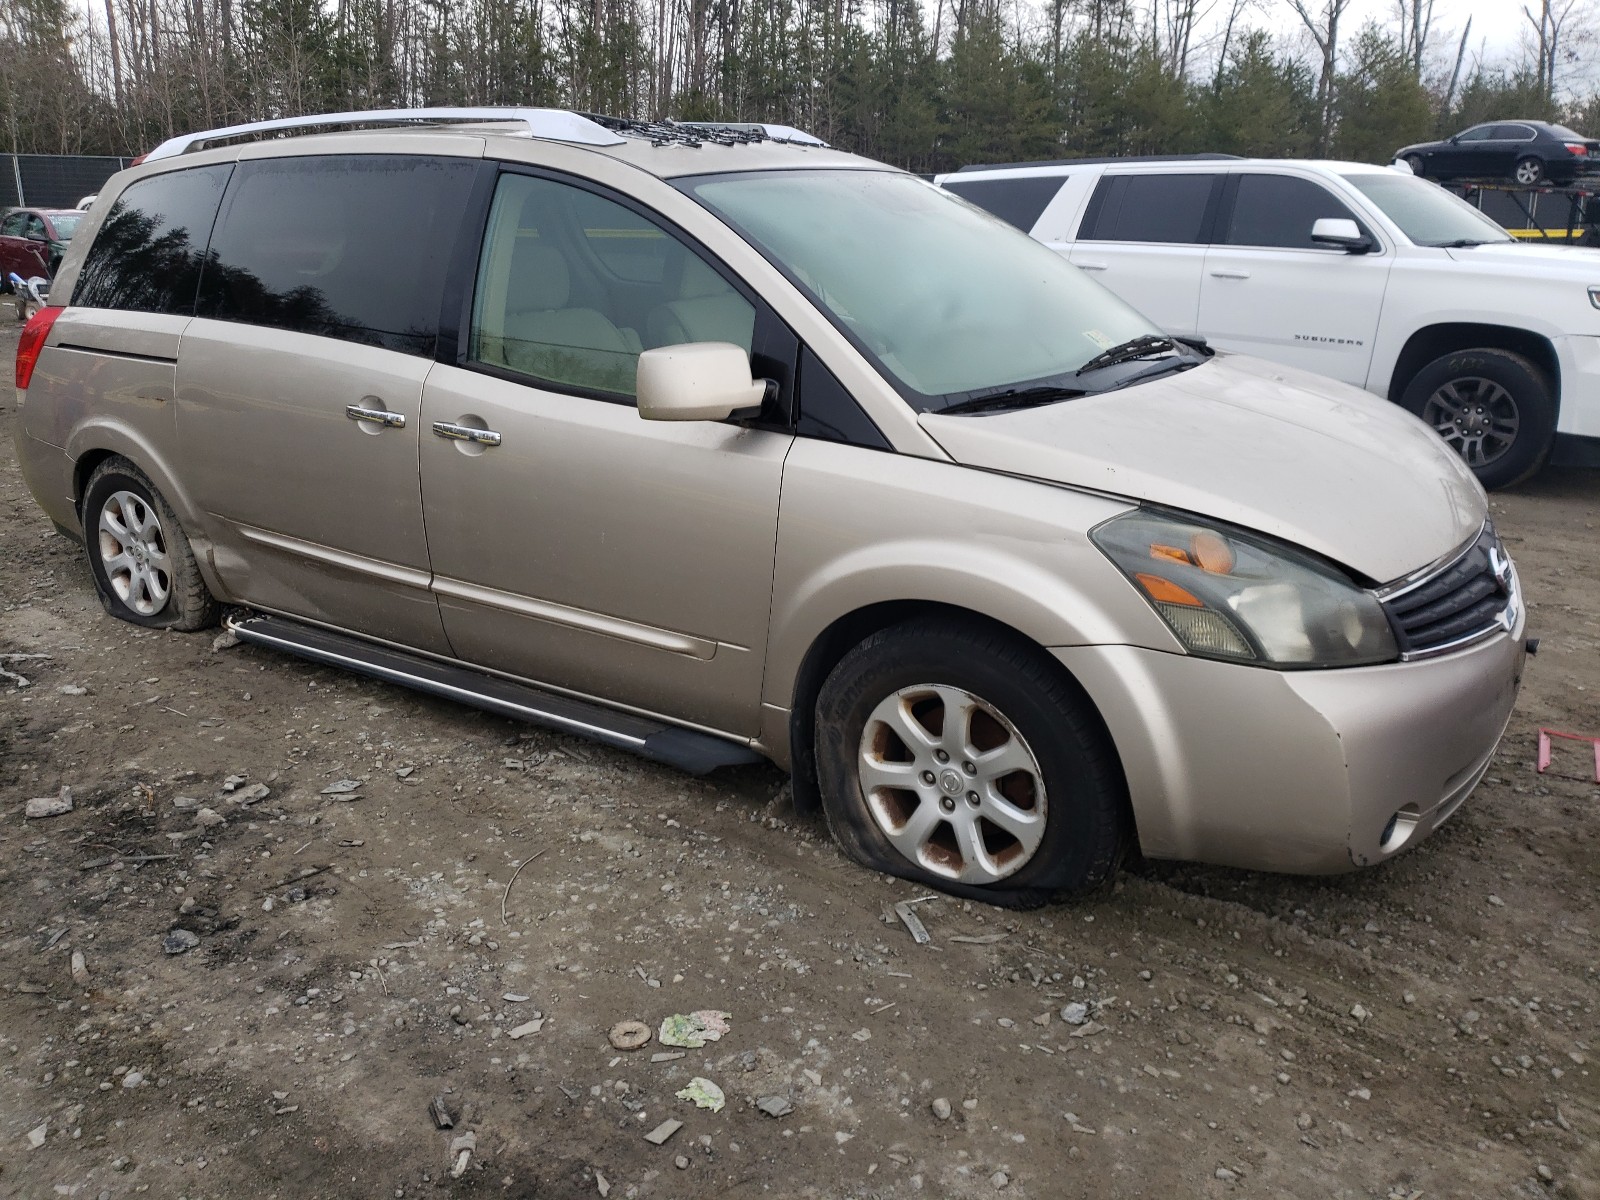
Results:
<point x="1424" y="1029"/>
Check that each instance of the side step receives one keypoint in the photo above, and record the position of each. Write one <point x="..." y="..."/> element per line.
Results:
<point x="686" y="749"/>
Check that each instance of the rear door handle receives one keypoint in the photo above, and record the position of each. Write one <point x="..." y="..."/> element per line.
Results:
<point x="377" y="416"/>
<point x="465" y="433"/>
<point x="1230" y="274"/>
<point x="1092" y="266"/>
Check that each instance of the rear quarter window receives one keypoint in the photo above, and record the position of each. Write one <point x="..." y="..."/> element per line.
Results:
<point x="147" y="255"/>
<point x="1149" y="208"/>
<point x="1018" y="202"/>
<point x="342" y="246"/>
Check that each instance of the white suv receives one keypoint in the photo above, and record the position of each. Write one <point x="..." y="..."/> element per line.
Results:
<point x="1362" y="273"/>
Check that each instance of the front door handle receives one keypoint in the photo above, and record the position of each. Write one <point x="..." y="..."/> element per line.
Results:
<point x="378" y="416"/>
<point x="465" y="433"/>
<point x="1230" y="274"/>
<point x="1091" y="266"/>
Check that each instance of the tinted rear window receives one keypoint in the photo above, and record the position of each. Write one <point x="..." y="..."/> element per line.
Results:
<point x="1148" y="208"/>
<point x="147" y="255"/>
<point x="1018" y="202"/>
<point x="350" y="247"/>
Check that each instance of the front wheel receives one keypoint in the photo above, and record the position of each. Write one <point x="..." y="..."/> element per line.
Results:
<point x="1414" y="161"/>
<point x="966" y="759"/>
<point x="1494" y="408"/>
<point x="1529" y="171"/>
<point x="143" y="567"/>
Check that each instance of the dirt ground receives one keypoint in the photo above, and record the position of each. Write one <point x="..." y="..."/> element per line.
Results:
<point x="1426" y="1029"/>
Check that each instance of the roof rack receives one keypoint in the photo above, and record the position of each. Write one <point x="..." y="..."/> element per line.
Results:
<point x="1095" y="162"/>
<point x="552" y="124"/>
<point x="698" y="133"/>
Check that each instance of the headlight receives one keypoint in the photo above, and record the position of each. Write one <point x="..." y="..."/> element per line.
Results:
<point x="1244" y="598"/>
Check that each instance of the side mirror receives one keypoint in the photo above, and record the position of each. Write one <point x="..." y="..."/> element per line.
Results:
<point x="700" y="381"/>
<point x="1454" y="138"/>
<point x="1341" y="233"/>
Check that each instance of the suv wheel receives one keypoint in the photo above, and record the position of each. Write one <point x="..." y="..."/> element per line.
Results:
<point x="964" y="758"/>
<point x="1494" y="408"/>
<point x="143" y="567"/>
<point x="1529" y="171"/>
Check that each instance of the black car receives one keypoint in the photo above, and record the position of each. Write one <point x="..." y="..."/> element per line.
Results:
<point x="1529" y="152"/>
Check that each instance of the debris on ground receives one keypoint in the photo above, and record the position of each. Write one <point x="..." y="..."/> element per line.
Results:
<point x="253" y="794"/>
<point x="58" y="805"/>
<point x="977" y="939"/>
<point x="662" y="1132"/>
<point x="1075" y="1013"/>
<point x="461" y="1149"/>
<point x="704" y="1093"/>
<point x="629" y="1035"/>
<point x="526" y="1028"/>
<point x="80" y="968"/>
<point x="440" y="1112"/>
<point x="694" y="1030"/>
<point x="913" y="923"/>
<point x="775" y="1106"/>
<point x="180" y="941"/>
<point x="941" y="1108"/>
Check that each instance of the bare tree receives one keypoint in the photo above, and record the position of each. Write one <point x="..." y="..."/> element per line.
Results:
<point x="1550" y="26"/>
<point x="1415" y="18"/>
<point x="1324" y="30"/>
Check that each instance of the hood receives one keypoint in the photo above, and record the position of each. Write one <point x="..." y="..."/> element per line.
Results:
<point x="1280" y="451"/>
<point x="1548" y="260"/>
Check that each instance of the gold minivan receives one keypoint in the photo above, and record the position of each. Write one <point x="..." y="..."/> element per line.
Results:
<point x="717" y="444"/>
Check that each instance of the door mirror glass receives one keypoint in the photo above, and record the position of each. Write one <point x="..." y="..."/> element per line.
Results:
<point x="699" y="381"/>
<point x="1341" y="233"/>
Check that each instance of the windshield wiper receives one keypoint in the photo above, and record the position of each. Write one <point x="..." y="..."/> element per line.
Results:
<point x="1013" y="398"/>
<point x="1460" y="244"/>
<point x="1139" y="347"/>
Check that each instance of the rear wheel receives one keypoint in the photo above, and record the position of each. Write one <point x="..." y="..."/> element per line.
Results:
<point x="1528" y="171"/>
<point x="1494" y="408"/>
<point x="143" y="567"/>
<point x="965" y="759"/>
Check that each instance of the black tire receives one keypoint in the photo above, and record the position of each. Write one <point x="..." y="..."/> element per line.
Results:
<point x="1418" y="168"/>
<point x="1490" y="383"/>
<point x="1087" y="825"/>
<point x="1529" y="171"/>
<point x="183" y="602"/>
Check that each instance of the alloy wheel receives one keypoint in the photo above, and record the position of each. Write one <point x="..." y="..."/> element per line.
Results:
<point x="952" y="784"/>
<point x="133" y="552"/>
<point x="1476" y="416"/>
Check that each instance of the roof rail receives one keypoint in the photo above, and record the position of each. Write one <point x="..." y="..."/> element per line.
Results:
<point x="1095" y="162"/>
<point x="552" y="124"/>
<point x="774" y="133"/>
<point x="697" y="133"/>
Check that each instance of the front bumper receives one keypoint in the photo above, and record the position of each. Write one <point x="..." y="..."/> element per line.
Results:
<point x="1310" y="772"/>
<point x="1578" y="356"/>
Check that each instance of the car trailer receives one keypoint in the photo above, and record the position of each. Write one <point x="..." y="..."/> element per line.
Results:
<point x="1568" y="214"/>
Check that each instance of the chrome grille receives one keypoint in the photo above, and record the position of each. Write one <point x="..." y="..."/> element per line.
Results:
<point x="1468" y="599"/>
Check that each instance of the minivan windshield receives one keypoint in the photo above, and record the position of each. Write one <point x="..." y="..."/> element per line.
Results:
<point x="948" y="299"/>
<point x="1425" y="212"/>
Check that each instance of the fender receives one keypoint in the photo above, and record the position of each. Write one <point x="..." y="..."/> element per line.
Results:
<point x="109" y="434"/>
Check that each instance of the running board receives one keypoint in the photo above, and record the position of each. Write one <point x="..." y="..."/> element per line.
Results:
<point x="686" y="749"/>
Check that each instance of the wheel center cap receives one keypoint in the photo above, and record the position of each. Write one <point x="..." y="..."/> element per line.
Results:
<point x="951" y="783"/>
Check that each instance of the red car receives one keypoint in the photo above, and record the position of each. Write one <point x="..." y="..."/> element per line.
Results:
<point x="32" y="241"/>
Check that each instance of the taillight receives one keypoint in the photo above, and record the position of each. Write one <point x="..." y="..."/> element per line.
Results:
<point x="34" y="334"/>
<point x="1577" y="148"/>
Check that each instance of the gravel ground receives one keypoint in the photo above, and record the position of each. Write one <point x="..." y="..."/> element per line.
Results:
<point x="224" y="977"/>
